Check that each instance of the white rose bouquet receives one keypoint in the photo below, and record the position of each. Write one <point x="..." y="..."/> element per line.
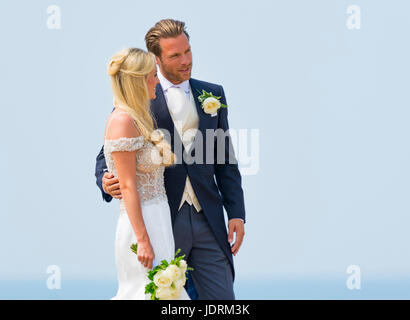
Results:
<point x="167" y="279"/>
<point x="210" y="103"/>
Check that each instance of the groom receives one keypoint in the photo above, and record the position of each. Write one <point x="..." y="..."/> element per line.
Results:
<point x="196" y="200"/>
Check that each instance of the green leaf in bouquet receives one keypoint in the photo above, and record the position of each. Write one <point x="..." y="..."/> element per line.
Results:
<point x="177" y="260"/>
<point x="151" y="274"/>
<point x="165" y="263"/>
<point x="150" y="287"/>
<point x="134" y="247"/>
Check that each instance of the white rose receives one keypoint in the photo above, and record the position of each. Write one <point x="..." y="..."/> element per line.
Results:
<point x="179" y="284"/>
<point x="183" y="266"/>
<point x="163" y="293"/>
<point x="174" y="271"/>
<point x="176" y="293"/>
<point x="211" y="105"/>
<point x="163" y="279"/>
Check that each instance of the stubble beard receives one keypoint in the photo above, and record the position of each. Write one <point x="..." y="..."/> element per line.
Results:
<point x="175" y="77"/>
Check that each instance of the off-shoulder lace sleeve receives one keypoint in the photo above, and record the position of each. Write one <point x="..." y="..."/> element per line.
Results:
<point x="124" y="144"/>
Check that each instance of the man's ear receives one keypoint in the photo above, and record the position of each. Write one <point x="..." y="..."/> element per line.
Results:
<point x="158" y="60"/>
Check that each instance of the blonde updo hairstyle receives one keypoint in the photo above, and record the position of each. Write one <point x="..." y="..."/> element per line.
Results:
<point x="128" y="70"/>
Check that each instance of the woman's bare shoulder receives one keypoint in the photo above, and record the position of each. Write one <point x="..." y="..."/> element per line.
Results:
<point x="121" y="125"/>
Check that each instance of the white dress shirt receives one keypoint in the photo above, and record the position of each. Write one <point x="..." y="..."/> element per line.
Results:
<point x="186" y="120"/>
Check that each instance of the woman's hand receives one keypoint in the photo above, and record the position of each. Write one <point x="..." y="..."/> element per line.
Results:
<point x="145" y="254"/>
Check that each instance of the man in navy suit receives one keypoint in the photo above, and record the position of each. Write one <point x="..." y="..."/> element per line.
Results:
<point x="195" y="197"/>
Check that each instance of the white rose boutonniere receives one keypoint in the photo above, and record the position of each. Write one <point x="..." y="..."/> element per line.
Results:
<point x="210" y="103"/>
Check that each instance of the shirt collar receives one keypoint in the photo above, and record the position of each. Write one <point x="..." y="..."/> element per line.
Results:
<point x="166" y="84"/>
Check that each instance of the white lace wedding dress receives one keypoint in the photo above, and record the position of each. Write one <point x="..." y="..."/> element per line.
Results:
<point x="132" y="275"/>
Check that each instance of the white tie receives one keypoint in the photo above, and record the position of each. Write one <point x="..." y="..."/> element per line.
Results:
<point x="178" y="103"/>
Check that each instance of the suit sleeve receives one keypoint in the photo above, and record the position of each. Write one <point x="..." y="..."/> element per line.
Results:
<point x="100" y="169"/>
<point x="227" y="173"/>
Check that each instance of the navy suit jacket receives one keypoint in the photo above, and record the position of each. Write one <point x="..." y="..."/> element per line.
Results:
<point x="212" y="195"/>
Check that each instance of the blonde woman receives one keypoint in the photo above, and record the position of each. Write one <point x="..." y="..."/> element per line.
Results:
<point x="137" y="155"/>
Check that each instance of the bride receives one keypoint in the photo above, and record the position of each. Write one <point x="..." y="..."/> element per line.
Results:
<point x="137" y="155"/>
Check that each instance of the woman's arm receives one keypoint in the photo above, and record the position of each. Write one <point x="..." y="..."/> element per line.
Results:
<point x="125" y="163"/>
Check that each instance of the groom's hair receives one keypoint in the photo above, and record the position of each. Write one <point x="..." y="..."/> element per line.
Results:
<point x="167" y="28"/>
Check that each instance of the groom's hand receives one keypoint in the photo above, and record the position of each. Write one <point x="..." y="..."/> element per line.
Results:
<point x="236" y="226"/>
<point x="111" y="185"/>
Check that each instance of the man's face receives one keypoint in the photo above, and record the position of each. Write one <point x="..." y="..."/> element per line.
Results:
<point x="175" y="62"/>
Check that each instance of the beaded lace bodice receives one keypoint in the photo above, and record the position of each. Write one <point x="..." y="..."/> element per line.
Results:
<point x="150" y="175"/>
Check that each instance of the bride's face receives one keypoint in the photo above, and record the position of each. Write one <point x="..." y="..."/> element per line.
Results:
<point x="152" y="81"/>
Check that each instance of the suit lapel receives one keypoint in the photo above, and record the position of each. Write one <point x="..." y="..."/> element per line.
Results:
<point x="195" y="88"/>
<point x="160" y="110"/>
